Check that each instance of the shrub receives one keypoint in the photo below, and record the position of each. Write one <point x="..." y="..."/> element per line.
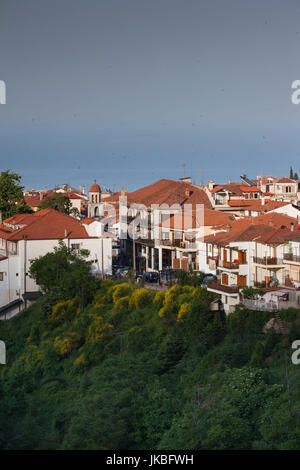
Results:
<point x="183" y="311"/>
<point x="251" y="293"/>
<point x="106" y="283"/>
<point x="64" y="310"/>
<point x="168" y="311"/>
<point x="65" y="346"/>
<point x="99" y="330"/>
<point x="159" y="299"/>
<point x="121" y="290"/>
<point x="173" y="293"/>
<point x="80" y="361"/>
<point x="141" y="298"/>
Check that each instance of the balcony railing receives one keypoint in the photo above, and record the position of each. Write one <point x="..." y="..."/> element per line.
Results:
<point x="228" y="264"/>
<point x="270" y="306"/>
<point x="216" y="285"/>
<point x="291" y="257"/>
<point x="178" y="244"/>
<point x="267" y="260"/>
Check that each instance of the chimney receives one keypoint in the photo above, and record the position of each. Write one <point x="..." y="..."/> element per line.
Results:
<point x="262" y="201"/>
<point x="211" y="185"/>
<point x="66" y="233"/>
<point x="80" y="188"/>
<point x="41" y="196"/>
<point x="122" y="192"/>
<point x="83" y="189"/>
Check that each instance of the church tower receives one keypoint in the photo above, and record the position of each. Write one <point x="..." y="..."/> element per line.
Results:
<point x="94" y="200"/>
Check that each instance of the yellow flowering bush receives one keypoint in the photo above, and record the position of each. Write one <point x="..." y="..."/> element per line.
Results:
<point x="159" y="299"/>
<point x="99" y="330"/>
<point x="64" y="346"/>
<point x="168" y="311"/>
<point x="173" y="293"/>
<point x="141" y="298"/>
<point x="64" y="310"/>
<point x="81" y="361"/>
<point x="107" y="283"/>
<point x="32" y="355"/>
<point x="121" y="305"/>
<point x="183" y="311"/>
<point x="121" y="290"/>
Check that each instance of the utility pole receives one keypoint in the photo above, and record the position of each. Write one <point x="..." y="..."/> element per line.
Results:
<point x="102" y="261"/>
<point x="133" y="255"/>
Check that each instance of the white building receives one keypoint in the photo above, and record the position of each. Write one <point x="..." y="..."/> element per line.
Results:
<point x="25" y="237"/>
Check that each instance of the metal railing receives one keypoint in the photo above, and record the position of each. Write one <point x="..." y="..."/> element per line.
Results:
<point x="268" y="306"/>
<point x="267" y="260"/>
<point x="216" y="285"/>
<point x="291" y="257"/>
<point x="228" y="264"/>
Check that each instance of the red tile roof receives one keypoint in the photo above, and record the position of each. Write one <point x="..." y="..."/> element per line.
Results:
<point x="237" y="189"/>
<point x="43" y="225"/>
<point x="284" y="179"/>
<point x="32" y="201"/>
<point x="188" y="220"/>
<point x="167" y="192"/>
<point x="267" y="228"/>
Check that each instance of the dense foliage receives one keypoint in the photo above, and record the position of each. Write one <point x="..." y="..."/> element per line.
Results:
<point x="59" y="202"/>
<point x="11" y="195"/>
<point x="141" y="369"/>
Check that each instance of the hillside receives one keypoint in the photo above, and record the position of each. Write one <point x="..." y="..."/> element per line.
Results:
<point x="137" y="369"/>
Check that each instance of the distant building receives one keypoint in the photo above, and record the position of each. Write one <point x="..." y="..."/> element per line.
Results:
<point x="24" y="237"/>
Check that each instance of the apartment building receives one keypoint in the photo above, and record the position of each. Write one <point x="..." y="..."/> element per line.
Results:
<point x="24" y="237"/>
<point x="285" y="189"/>
<point x="250" y="252"/>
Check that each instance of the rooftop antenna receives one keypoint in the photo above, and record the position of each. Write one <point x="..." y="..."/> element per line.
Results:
<point x="201" y="177"/>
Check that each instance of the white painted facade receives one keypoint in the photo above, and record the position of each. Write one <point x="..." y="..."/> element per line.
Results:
<point x="14" y="267"/>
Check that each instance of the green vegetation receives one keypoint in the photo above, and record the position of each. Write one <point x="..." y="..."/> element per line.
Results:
<point x="252" y="293"/>
<point x="293" y="176"/>
<point x="132" y="368"/>
<point x="11" y="195"/>
<point x="61" y="203"/>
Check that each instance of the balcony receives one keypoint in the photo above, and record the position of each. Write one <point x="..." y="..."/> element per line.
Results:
<point x="190" y="246"/>
<point x="268" y="261"/>
<point x="229" y="265"/>
<point x="223" y="289"/>
<point x="290" y="257"/>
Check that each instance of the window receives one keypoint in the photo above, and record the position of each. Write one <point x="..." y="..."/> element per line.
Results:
<point x="288" y="189"/>
<point x="75" y="246"/>
<point x="1" y="276"/>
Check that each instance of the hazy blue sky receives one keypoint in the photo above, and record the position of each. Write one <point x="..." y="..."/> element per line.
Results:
<point x="126" y="91"/>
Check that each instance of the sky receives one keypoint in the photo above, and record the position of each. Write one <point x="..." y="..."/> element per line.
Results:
<point x="130" y="91"/>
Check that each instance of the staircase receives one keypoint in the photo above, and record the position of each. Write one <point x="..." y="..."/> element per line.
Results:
<point x="281" y="325"/>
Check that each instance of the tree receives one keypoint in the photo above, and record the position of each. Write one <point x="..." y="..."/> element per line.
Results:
<point x="57" y="201"/>
<point x="64" y="274"/>
<point x="11" y="193"/>
<point x="23" y="208"/>
<point x="291" y="173"/>
<point x="296" y="177"/>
